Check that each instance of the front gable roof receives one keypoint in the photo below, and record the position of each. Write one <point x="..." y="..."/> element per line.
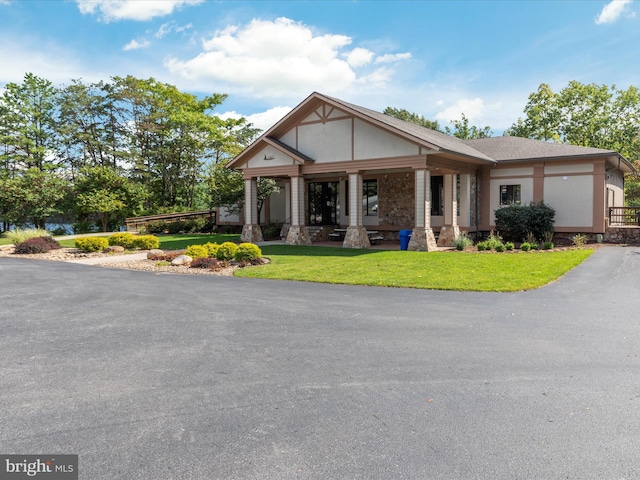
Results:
<point x="489" y="151"/>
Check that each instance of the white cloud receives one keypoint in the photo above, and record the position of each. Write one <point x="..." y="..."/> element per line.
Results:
<point x="261" y="120"/>
<point x="474" y="109"/>
<point x="135" y="45"/>
<point x="392" y="58"/>
<point x="359" y="57"/>
<point x="114" y="10"/>
<point x="280" y="58"/>
<point x="166" y="28"/>
<point x="614" y="10"/>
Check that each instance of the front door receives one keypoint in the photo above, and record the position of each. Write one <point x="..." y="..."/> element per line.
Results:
<point x="323" y="203"/>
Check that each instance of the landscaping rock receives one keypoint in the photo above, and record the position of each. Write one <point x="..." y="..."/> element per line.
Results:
<point x="114" y="249"/>
<point x="182" y="260"/>
<point x="156" y="254"/>
<point x="7" y="248"/>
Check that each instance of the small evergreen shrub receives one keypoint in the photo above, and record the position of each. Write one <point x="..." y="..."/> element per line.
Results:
<point x="33" y="245"/>
<point x="176" y="227"/>
<point x="535" y="246"/>
<point x="525" y="247"/>
<point x="482" y="246"/>
<point x="145" y="242"/>
<point x="206" y="262"/>
<point x="547" y="245"/>
<point x="227" y="251"/>
<point x="197" y="251"/>
<point x="212" y="248"/>
<point x="122" y="239"/>
<point x="19" y="235"/>
<point x="493" y="241"/>
<point x="462" y="241"/>
<point x="509" y="246"/>
<point x="156" y="226"/>
<point x="194" y="225"/>
<point x="500" y="247"/>
<point x="272" y="230"/>
<point x="515" y="221"/>
<point x="92" y="244"/>
<point x="247" y="252"/>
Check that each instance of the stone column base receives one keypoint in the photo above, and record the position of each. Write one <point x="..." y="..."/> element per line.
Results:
<point x="356" y="237"/>
<point x="298" y="235"/>
<point x="422" y="240"/>
<point x="448" y="234"/>
<point x="251" y="234"/>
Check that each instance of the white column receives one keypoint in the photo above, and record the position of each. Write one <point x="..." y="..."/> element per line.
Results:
<point x="355" y="200"/>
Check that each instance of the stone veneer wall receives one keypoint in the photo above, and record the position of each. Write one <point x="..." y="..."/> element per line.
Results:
<point x="622" y="235"/>
<point x="474" y="202"/>
<point x="396" y="201"/>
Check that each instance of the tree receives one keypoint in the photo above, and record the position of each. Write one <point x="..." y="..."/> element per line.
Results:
<point x="462" y="130"/>
<point x="587" y="115"/>
<point x="32" y="197"/>
<point x="27" y="116"/>
<point x="407" y="116"/>
<point x="103" y="192"/>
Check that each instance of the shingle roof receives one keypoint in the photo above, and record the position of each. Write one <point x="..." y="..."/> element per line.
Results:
<point x="517" y="148"/>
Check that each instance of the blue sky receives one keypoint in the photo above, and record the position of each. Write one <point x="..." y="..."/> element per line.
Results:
<point x="435" y="58"/>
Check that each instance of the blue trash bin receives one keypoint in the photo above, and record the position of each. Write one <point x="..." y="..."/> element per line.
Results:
<point x="405" y="236"/>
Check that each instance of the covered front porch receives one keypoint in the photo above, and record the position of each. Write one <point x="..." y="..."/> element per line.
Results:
<point x="352" y="208"/>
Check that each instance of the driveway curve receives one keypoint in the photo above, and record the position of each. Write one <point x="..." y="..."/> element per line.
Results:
<point x="160" y="376"/>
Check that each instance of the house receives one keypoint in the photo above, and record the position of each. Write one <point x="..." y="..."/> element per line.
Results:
<point x="342" y="165"/>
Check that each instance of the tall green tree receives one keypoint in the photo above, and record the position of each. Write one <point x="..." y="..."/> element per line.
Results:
<point x="461" y="129"/>
<point x="587" y="115"/>
<point x="28" y="133"/>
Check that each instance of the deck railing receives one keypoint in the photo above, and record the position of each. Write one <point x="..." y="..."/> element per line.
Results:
<point x="627" y="216"/>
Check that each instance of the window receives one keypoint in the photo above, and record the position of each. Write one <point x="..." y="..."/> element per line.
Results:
<point x="509" y="194"/>
<point x="370" y="197"/>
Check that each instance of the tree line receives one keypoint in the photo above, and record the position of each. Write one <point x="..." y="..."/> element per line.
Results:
<point x="108" y="150"/>
<point x="99" y="152"/>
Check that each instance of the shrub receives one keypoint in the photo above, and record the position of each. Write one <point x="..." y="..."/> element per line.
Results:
<point x="227" y="251"/>
<point x="525" y="247"/>
<point x="272" y="230"/>
<point x="156" y="226"/>
<point x="516" y="221"/>
<point x="462" y="241"/>
<point x="535" y="246"/>
<point x="530" y="238"/>
<point x="123" y="239"/>
<point x="19" y="235"/>
<point x="547" y="245"/>
<point x="175" y="227"/>
<point x="509" y="246"/>
<point x="206" y="262"/>
<point x="197" y="251"/>
<point x="482" y="246"/>
<point x="33" y="245"/>
<point x="145" y="242"/>
<point x="194" y="225"/>
<point x="212" y="248"/>
<point x="547" y="237"/>
<point x="579" y="240"/>
<point x="92" y="244"/>
<point x="493" y="241"/>
<point x="500" y="247"/>
<point x="247" y="252"/>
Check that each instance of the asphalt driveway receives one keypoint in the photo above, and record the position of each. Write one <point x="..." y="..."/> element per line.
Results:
<point x="149" y="376"/>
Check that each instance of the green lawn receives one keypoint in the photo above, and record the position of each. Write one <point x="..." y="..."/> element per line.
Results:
<point x="490" y="272"/>
<point x="178" y="242"/>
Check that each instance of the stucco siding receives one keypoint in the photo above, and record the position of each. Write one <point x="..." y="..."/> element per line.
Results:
<point x="572" y="198"/>
<point x="278" y="159"/>
<point x="575" y="168"/>
<point x="373" y="142"/>
<point x="326" y="142"/>
<point x="526" y="193"/>
<point x="511" y="172"/>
